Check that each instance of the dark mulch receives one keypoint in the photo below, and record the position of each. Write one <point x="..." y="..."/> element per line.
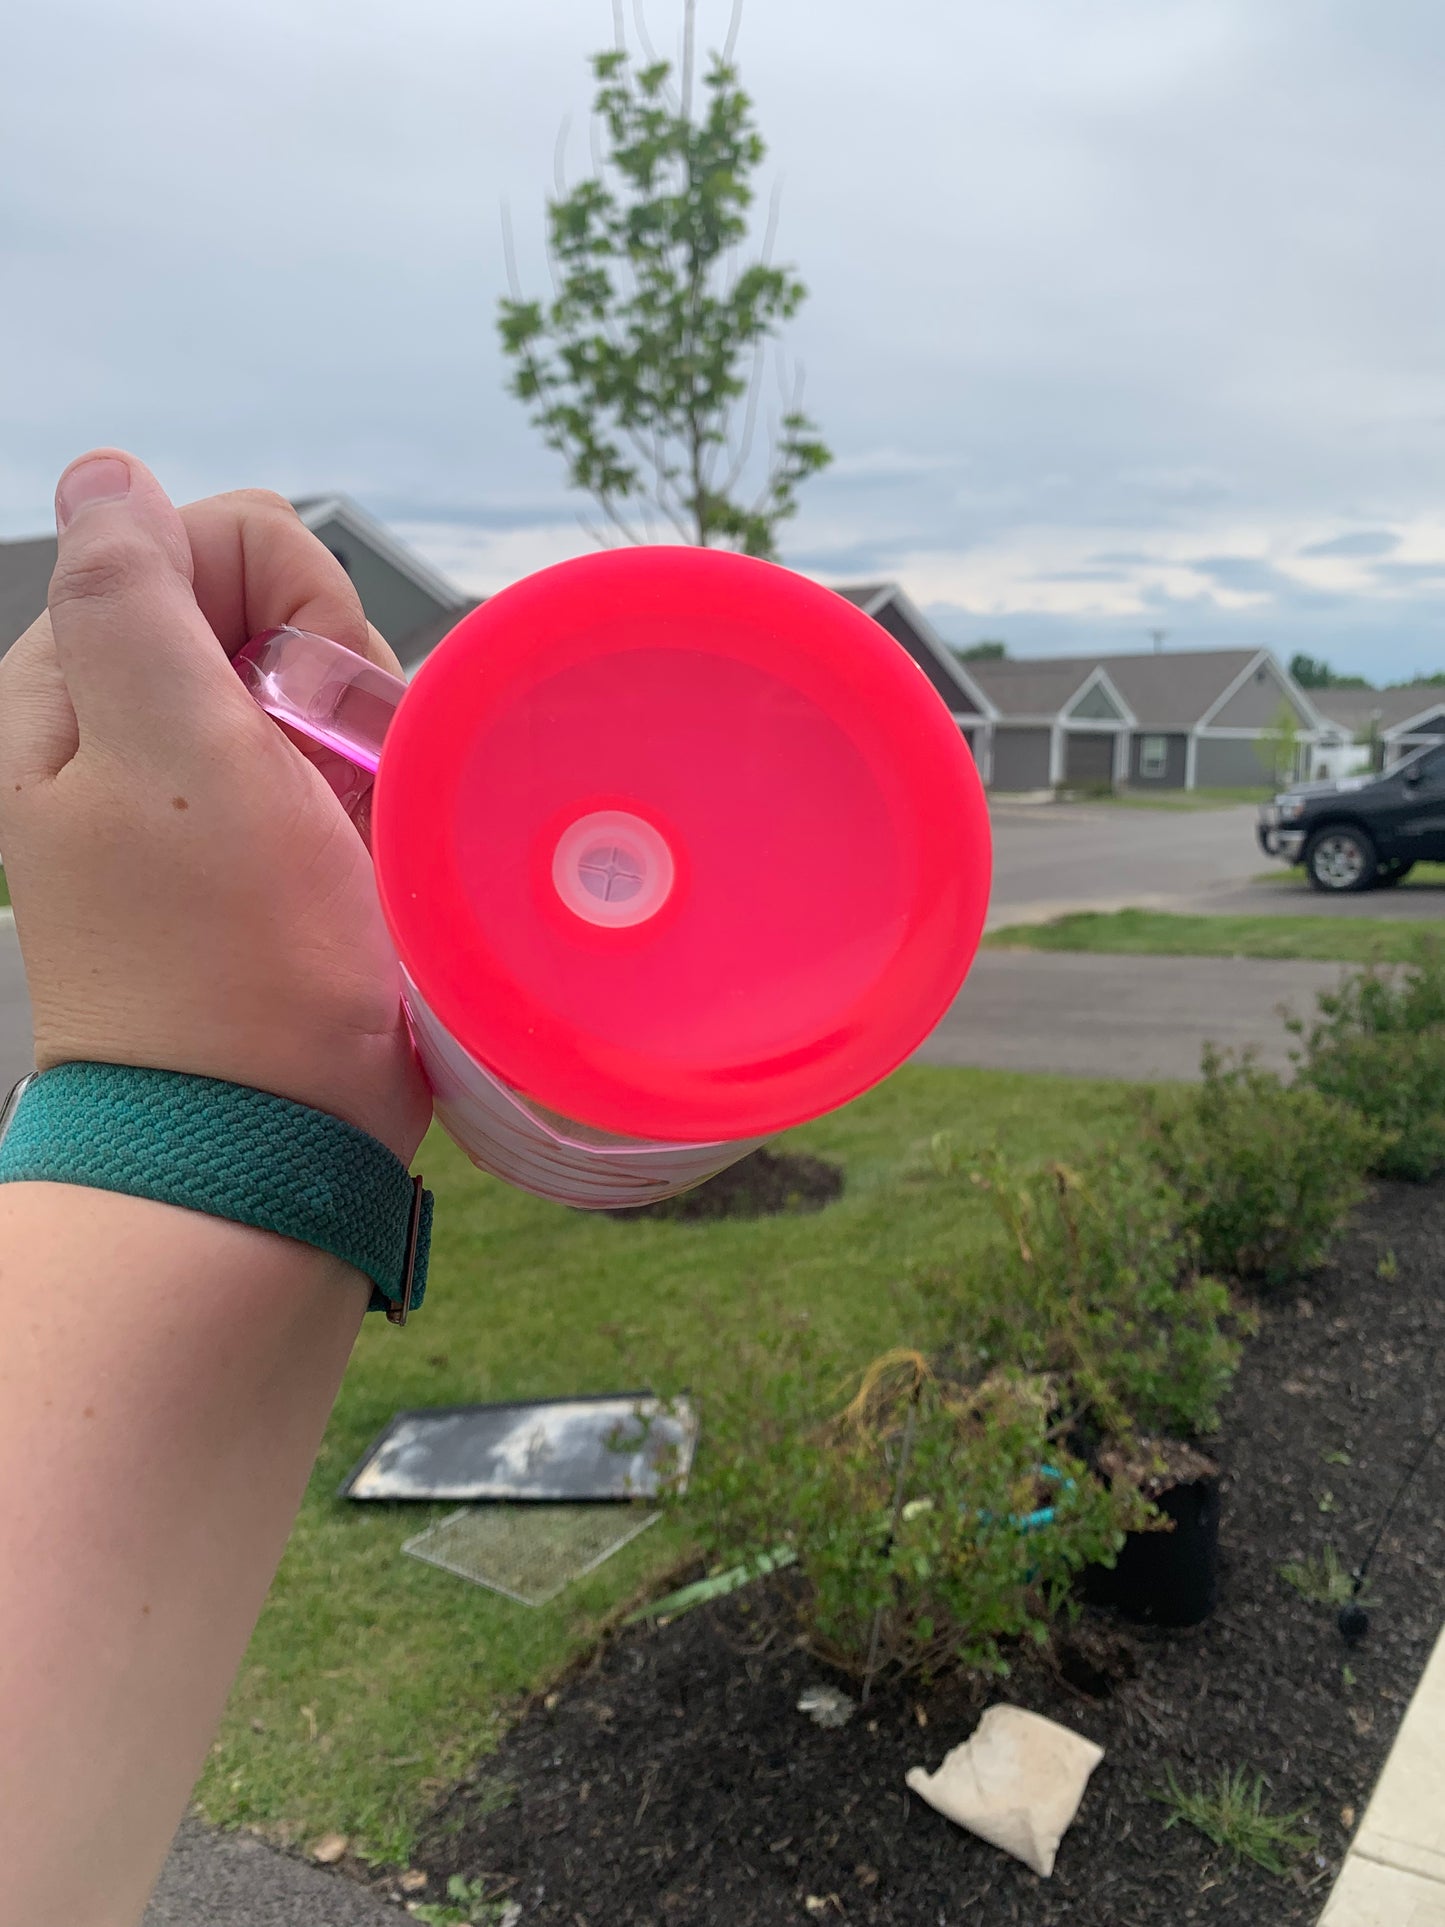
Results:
<point x="673" y="1783"/>
<point x="761" y="1185"/>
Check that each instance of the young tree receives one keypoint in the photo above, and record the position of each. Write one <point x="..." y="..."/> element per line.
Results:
<point x="1278" y="746"/>
<point x="646" y="370"/>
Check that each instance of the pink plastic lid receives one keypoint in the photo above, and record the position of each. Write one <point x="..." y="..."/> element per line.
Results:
<point x="680" y="844"/>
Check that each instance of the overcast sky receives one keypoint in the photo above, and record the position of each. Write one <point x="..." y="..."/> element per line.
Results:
<point x="1124" y="313"/>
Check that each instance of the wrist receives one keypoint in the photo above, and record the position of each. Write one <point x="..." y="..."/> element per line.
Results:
<point x="227" y="1151"/>
<point x="372" y="1082"/>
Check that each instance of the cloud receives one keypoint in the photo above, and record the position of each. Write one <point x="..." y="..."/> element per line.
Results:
<point x="1105" y="318"/>
<point x="1368" y="542"/>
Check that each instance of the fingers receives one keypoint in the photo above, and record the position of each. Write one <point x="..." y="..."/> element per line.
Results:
<point x="38" y="731"/>
<point x="257" y="565"/>
<point x="134" y="649"/>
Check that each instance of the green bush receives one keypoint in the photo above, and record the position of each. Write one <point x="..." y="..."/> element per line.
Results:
<point x="1268" y="1175"/>
<point x="915" y="1516"/>
<point x="1378" y="1045"/>
<point x="1098" y="1285"/>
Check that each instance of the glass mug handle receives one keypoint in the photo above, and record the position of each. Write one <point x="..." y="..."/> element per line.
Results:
<point x="327" y="693"/>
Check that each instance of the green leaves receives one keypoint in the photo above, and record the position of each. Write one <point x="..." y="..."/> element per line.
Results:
<point x="1233" y="1813"/>
<point x="645" y="371"/>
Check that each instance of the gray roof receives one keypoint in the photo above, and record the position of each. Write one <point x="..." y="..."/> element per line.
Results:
<point x="1031" y="687"/>
<point x="26" y="566"/>
<point x="862" y="593"/>
<point x="1168" y="692"/>
<point x="25" y="571"/>
<point x="1172" y="689"/>
<point x="1353" y="708"/>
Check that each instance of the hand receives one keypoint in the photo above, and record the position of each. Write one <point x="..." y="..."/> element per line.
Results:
<point x="189" y="894"/>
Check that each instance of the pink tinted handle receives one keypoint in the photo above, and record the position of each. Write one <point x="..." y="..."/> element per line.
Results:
<point x="323" y="691"/>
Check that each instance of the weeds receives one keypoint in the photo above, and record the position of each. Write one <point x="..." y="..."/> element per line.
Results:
<point x="1233" y="1815"/>
<point x="466" y="1905"/>
<point x="1323" y="1581"/>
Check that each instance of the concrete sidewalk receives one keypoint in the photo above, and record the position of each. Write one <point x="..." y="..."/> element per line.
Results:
<point x="1394" y="1872"/>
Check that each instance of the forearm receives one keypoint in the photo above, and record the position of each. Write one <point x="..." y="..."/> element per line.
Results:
<point x="165" y="1380"/>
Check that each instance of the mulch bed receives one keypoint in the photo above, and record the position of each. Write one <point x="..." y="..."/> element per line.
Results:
<point x="761" y="1185"/>
<point x="673" y="1782"/>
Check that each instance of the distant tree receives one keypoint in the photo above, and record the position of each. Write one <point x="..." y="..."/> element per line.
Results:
<point x="1278" y="746"/>
<point x="1435" y="680"/>
<point x="646" y="369"/>
<point x="1310" y="672"/>
<point x="1313" y="672"/>
<point x="984" y="652"/>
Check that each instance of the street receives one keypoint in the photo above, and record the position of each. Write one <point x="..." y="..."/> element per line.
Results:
<point x="1085" y="1015"/>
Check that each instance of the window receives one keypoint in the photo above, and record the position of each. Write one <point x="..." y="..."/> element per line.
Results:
<point x="1153" y="755"/>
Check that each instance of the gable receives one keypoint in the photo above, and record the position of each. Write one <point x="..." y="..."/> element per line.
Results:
<point x="1095" y="705"/>
<point x="395" y="603"/>
<point x="1428" y="722"/>
<point x="890" y="617"/>
<point x="1256" y="702"/>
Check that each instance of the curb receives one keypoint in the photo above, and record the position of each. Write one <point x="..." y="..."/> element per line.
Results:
<point x="1394" y="1871"/>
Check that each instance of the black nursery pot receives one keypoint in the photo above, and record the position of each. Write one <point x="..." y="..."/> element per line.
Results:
<point x="1167" y="1578"/>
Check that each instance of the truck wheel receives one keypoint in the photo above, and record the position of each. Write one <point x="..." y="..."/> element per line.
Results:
<point x="1341" y="858"/>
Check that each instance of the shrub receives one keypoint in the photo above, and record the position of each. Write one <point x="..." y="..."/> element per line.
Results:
<point x="930" y="1521"/>
<point x="1378" y="1045"/>
<point x="1268" y="1174"/>
<point x="1098" y="1286"/>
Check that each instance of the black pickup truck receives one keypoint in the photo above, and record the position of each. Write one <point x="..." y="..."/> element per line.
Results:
<point x="1362" y="832"/>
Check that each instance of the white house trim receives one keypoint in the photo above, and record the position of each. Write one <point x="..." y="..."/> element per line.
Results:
<point x="355" y="520"/>
<point x="1397" y="730"/>
<point x="1288" y="688"/>
<point x="1099" y="678"/>
<point x="1255" y="662"/>
<point x="933" y="642"/>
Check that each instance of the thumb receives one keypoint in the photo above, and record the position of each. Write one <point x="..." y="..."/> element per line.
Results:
<point x="132" y="644"/>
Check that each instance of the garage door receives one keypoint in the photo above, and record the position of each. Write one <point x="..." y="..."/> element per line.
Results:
<point x="1020" y="758"/>
<point x="1089" y="758"/>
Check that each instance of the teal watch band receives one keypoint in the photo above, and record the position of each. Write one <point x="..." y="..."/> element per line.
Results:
<point x="230" y="1152"/>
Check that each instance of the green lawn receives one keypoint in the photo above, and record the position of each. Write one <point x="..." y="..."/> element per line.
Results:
<point x="1160" y="933"/>
<point x="4" y="890"/>
<point x="372" y="1679"/>
<point x="1182" y="799"/>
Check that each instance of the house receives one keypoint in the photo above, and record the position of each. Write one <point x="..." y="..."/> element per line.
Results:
<point x="1053" y="723"/>
<point x="1185" y="719"/>
<point x="1376" y="728"/>
<point x="1204" y="716"/>
<point x="410" y="602"/>
<point x="1190" y="719"/>
<point x="891" y="609"/>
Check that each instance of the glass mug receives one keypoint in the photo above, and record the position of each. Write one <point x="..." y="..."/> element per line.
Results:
<point x="677" y="850"/>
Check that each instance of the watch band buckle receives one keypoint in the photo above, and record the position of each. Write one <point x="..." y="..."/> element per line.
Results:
<point x="398" y="1313"/>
